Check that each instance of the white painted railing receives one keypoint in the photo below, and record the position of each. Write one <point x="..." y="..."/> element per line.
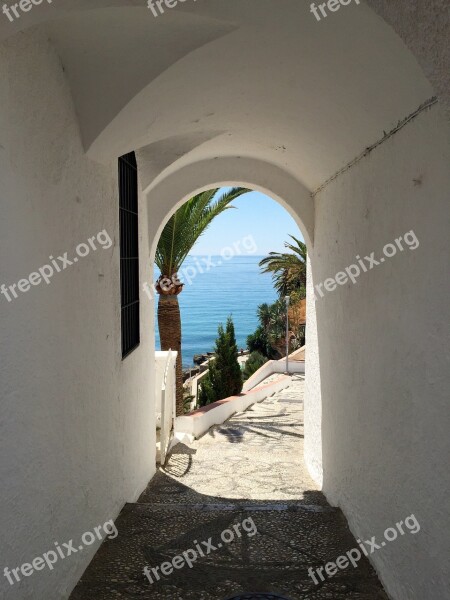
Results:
<point x="195" y="386"/>
<point x="165" y="401"/>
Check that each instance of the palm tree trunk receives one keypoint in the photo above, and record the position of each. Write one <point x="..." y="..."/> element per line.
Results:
<point x="169" y="323"/>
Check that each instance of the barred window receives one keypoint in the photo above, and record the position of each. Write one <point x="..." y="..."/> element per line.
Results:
<point x="129" y="252"/>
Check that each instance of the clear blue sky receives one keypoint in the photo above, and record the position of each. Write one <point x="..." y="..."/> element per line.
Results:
<point x="255" y="215"/>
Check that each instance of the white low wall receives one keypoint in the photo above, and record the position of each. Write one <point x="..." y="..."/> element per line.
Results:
<point x="197" y="423"/>
<point x="271" y="367"/>
<point x="265" y="371"/>
<point x="294" y="366"/>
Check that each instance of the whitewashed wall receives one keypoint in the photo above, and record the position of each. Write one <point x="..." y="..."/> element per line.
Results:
<point x="77" y="425"/>
<point x="74" y="417"/>
<point x="313" y="393"/>
<point x="376" y="417"/>
<point x="384" y="348"/>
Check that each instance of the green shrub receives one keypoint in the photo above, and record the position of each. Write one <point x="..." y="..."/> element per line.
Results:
<point x="225" y="376"/>
<point x="206" y="393"/>
<point x="255" y="361"/>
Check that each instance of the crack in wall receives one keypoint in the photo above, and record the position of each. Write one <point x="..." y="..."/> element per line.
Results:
<point x="424" y="106"/>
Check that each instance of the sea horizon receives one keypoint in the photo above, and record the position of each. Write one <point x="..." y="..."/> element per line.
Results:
<point x="235" y="287"/>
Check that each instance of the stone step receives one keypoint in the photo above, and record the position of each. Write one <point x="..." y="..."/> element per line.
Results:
<point x="272" y="551"/>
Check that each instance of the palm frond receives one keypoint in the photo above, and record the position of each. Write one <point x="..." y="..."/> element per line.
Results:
<point x="187" y="224"/>
<point x="288" y="269"/>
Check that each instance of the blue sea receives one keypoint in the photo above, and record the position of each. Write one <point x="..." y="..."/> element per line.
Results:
<point x="235" y="287"/>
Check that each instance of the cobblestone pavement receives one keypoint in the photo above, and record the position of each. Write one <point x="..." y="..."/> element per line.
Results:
<point x="250" y="467"/>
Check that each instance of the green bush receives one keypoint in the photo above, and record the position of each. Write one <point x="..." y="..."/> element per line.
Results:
<point x="259" y="342"/>
<point x="225" y="376"/>
<point x="254" y="362"/>
<point x="206" y="393"/>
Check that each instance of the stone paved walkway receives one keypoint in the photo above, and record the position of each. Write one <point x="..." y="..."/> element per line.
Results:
<point x="243" y="476"/>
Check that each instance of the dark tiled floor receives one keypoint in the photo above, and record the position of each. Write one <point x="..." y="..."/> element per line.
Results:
<point x="244" y="476"/>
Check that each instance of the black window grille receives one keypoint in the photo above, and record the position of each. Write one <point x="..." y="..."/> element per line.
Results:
<point x="129" y="252"/>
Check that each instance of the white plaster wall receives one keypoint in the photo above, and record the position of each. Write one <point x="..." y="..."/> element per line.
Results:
<point x="385" y="354"/>
<point x="313" y="394"/>
<point x="86" y="438"/>
<point x="77" y="424"/>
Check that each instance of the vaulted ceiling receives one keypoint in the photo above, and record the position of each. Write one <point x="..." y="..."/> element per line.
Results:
<point x="259" y="79"/>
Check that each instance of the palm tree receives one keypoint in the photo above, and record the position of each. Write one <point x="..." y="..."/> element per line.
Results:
<point x="276" y="324"/>
<point x="269" y="337"/>
<point x="177" y="239"/>
<point x="288" y="269"/>
<point x="264" y="313"/>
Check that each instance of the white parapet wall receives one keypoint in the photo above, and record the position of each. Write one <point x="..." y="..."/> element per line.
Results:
<point x="196" y="423"/>
<point x="271" y="367"/>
